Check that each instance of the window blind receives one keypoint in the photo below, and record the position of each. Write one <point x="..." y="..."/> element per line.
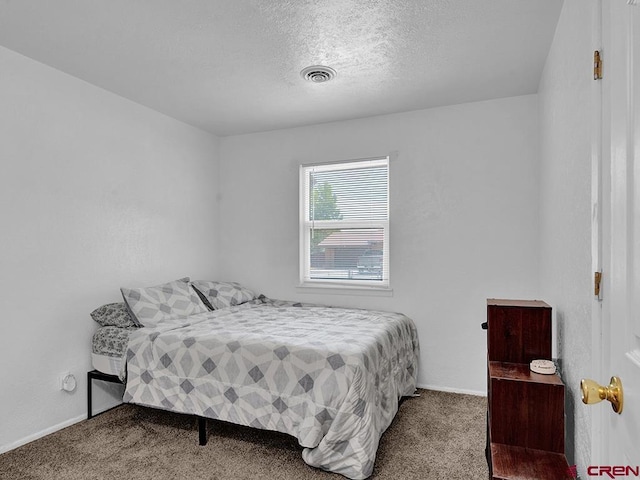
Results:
<point x="344" y="222"/>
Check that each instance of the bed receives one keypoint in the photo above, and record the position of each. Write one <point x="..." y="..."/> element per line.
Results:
<point x="330" y="377"/>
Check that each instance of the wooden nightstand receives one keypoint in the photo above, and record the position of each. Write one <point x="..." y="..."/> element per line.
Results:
<point x="525" y="410"/>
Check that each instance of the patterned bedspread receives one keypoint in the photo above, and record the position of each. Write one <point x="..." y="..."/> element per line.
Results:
<point x="331" y="377"/>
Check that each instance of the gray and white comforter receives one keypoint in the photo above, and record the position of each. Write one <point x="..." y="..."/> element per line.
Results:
<point x="331" y="377"/>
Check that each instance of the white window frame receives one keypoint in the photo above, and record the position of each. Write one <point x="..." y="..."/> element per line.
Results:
<point x="306" y="226"/>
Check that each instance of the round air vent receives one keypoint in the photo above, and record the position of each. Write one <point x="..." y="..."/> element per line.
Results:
<point x="318" y="74"/>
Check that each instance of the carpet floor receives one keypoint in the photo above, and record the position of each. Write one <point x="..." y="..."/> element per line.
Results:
<point x="435" y="436"/>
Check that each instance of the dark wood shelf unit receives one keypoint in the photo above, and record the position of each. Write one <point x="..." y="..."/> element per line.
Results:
<point x="525" y="410"/>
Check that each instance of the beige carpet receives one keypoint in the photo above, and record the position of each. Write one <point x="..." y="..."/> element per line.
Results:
<point x="435" y="436"/>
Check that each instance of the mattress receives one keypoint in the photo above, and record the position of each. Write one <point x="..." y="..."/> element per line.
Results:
<point x="107" y="348"/>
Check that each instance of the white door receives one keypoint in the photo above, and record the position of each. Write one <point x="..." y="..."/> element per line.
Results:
<point x="620" y="434"/>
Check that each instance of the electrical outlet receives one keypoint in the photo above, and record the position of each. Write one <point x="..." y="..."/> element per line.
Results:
<point x="68" y="382"/>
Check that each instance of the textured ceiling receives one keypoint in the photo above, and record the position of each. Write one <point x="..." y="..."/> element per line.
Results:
<point x="232" y="66"/>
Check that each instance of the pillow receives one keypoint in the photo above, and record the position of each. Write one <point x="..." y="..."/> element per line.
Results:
<point x="114" y="315"/>
<point x="222" y="294"/>
<point x="151" y="306"/>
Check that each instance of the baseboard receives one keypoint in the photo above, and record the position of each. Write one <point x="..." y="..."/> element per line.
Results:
<point x="439" y="388"/>
<point x="42" y="433"/>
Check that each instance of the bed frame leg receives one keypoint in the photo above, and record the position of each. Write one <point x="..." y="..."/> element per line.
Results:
<point x="96" y="375"/>
<point x="89" y="403"/>
<point x="202" y="430"/>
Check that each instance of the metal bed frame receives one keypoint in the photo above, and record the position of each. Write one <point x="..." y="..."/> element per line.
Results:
<point x="96" y="375"/>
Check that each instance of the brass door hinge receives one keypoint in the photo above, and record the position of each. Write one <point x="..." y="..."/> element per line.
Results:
<point x="597" y="280"/>
<point x="597" y="65"/>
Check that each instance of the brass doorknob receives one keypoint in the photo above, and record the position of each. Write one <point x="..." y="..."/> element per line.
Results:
<point x="592" y="392"/>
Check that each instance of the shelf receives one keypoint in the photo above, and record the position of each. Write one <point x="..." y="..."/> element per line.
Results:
<point x="525" y="410"/>
<point x="520" y="372"/>
<point x="517" y="463"/>
<point x="517" y="303"/>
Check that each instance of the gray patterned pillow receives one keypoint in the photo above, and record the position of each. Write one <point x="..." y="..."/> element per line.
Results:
<point x="114" y="315"/>
<point x="222" y="294"/>
<point x="171" y="301"/>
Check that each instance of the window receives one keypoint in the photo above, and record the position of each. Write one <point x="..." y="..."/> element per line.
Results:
<point x="344" y="223"/>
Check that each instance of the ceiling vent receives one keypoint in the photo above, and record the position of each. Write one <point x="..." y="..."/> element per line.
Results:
<point x="318" y="74"/>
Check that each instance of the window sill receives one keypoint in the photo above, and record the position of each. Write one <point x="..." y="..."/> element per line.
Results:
<point x="333" y="289"/>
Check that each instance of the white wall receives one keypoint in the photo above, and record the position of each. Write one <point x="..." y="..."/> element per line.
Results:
<point x="464" y="218"/>
<point x="565" y="208"/>
<point x="96" y="192"/>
